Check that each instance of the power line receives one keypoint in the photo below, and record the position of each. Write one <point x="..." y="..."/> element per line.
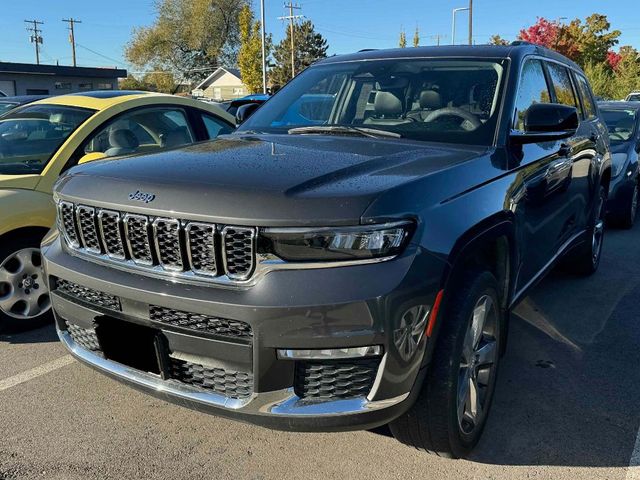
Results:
<point x="35" y="38"/>
<point x="101" y="55"/>
<point x="291" y="17"/>
<point x="72" y="37"/>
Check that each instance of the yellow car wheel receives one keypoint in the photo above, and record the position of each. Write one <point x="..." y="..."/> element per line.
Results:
<point x="24" y="297"/>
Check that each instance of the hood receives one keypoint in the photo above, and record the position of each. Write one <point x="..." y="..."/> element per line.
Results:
<point x="263" y="180"/>
<point x="26" y="182"/>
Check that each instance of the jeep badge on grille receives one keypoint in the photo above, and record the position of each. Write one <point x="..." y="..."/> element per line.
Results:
<point x="142" y="196"/>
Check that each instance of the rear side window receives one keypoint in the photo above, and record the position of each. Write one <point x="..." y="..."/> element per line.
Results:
<point x="587" y="100"/>
<point x="561" y="80"/>
<point x="532" y="89"/>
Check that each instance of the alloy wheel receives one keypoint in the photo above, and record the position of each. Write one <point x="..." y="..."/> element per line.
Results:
<point x="477" y="365"/>
<point x="598" y="233"/>
<point x="23" y="293"/>
<point x="634" y="203"/>
<point x="411" y="330"/>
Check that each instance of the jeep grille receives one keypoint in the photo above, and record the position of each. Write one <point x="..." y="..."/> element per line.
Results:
<point x="160" y="244"/>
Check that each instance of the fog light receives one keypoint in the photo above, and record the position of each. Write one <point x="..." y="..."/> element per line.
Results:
<point x="330" y="353"/>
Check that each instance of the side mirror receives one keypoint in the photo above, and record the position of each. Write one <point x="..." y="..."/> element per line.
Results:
<point x="544" y="122"/>
<point x="245" y="111"/>
<point x="90" y="157"/>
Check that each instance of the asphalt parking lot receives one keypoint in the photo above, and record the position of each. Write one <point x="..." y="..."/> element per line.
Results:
<point x="567" y="406"/>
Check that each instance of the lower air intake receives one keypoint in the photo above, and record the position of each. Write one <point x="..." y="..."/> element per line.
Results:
<point x="333" y="380"/>
<point x="229" y="384"/>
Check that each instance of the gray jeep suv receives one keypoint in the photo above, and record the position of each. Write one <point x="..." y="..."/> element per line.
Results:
<point x="349" y="256"/>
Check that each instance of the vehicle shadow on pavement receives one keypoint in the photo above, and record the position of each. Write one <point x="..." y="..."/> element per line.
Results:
<point x="569" y="386"/>
<point x="46" y="334"/>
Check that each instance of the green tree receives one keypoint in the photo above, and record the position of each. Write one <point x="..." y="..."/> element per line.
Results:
<point x="189" y="37"/>
<point x="132" y="83"/>
<point x="402" y="43"/>
<point x="498" y="40"/>
<point x="627" y="73"/>
<point x="160" y="80"/>
<point x="250" y="53"/>
<point x="416" y="38"/>
<point x="601" y="78"/>
<point x="310" y="46"/>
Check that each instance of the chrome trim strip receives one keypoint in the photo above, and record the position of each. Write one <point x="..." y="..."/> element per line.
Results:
<point x="278" y="403"/>
<point x="252" y="238"/>
<point x="187" y="232"/>
<point x="73" y="243"/>
<point x="101" y="214"/>
<point x="154" y="227"/>
<point x="127" y="235"/>
<point x="351" y="228"/>
<point x="92" y="212"/>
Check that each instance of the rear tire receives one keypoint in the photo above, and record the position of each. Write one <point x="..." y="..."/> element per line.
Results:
<point x="585" y="260"/>
<point x="629" y="218"/>
<point x="452" y="408"/>
<point x="24" y="297"/>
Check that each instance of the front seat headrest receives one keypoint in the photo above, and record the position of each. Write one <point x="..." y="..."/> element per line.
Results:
<point x="430" y="99"/>
<point x="122" y="142"/>
<point x="386" y="103"/>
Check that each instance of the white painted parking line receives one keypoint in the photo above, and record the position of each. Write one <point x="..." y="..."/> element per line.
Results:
<point x="633" y="472"/>
<point x="35" y="372"/>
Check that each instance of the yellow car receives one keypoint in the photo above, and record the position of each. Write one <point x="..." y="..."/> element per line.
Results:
<point x="41" y="140"/>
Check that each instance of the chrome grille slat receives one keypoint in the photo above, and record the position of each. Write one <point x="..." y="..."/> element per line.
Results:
<point x="201" y="248"/>
<point x="166" y="236"/>
<point x="136" y="229"/>
<point x="67" y="223"/>
<point x="86" y="218"/>
<point x="238" y="245"/>
<point x="109" y="226"/>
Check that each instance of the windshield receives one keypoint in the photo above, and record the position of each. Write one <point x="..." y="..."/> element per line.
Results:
<point x="422" y="99"/>
<point x="6" y="106"/>
<point x="634" y="97"/>
<point x="30" y="136"/>
<point x="620" y="123"/>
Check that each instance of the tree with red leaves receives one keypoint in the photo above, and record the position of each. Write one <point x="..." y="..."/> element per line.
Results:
<point x="613" y="59"/>
<point x="543" y="32"/>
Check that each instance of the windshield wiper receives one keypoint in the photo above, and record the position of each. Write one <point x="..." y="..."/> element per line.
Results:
<point x="343" y="130"/>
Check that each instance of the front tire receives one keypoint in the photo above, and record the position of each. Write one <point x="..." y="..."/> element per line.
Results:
<point x="452" y="409"/>
<point x="629" y="218"/>
<point x="24" y="297"/>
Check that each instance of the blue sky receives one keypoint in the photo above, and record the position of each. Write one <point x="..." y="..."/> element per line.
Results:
<point x="348" y="25"/>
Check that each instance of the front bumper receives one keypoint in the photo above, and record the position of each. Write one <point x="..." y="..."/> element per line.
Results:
<point x="306" y="309"/>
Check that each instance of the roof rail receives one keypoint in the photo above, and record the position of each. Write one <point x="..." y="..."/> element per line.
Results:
<point x="368" y="50"/>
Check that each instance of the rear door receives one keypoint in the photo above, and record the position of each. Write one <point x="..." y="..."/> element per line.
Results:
<point x="595" y="138"/>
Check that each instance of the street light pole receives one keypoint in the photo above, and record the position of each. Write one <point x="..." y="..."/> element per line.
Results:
<point x="453" y="23"/>
<point x="264" y="49"/>
<point x="470" y="22"/>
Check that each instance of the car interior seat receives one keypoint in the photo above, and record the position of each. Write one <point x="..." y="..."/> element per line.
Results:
<point x="122" y="142"/>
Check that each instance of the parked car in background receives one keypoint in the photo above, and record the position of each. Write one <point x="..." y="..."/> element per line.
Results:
<point x="9" y="103"/>
<point x="348" y="257"/>
<point x="633" y="97"/>
<point x="623" y="123"/>
<point x="232" y="106"/>
<point x="41" y="140"/>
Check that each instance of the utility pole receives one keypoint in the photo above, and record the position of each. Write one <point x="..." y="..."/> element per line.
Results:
<point x="72" y="37"/>
<point x="264" y="49"/>
<point x="35" y="38"/>
<point x="470" y="22"/>
<point x="291" y="17"/>
<point x="437" y="38"/>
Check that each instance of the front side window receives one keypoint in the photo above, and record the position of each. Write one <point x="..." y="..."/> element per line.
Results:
<point x="215" y="126"/>
<point x="621" y="124"/>
<point x="532" y="89"/>
<point x="31" y="135"/>
<point x="561" y="80"/>
<point x="441" y="100"/>
<point x="143" y="130"/>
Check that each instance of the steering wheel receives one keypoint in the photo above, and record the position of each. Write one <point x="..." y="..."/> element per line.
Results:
<point x="467" y="117"/>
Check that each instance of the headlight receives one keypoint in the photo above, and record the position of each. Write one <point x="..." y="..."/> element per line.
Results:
<point x="618" y="161"/>
<point x="336" y="244"/>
